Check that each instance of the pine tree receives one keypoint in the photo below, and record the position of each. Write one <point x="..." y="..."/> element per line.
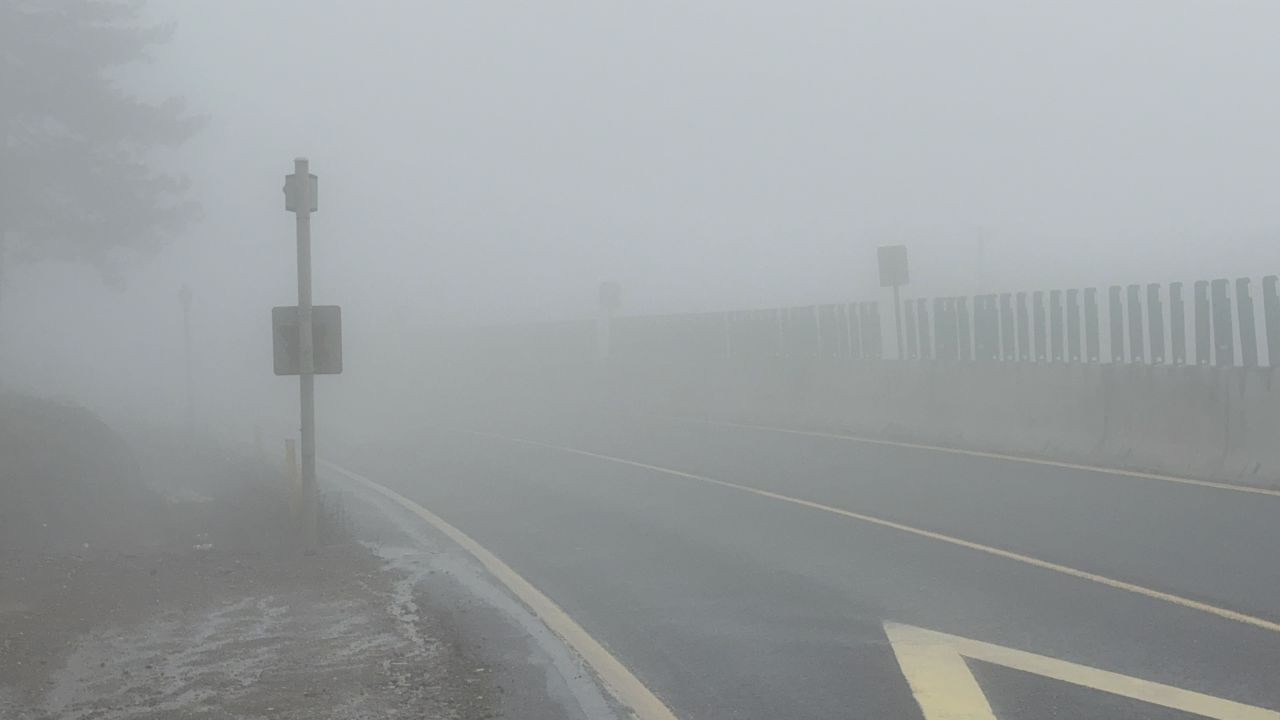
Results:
<point x="75" y="181"/>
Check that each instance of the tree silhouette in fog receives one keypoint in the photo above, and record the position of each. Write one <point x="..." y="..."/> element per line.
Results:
<point x="75" y="179"/>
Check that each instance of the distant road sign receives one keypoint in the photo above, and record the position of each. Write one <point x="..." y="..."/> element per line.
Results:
<point x="309" y="190"/>
<point x="326" y="336"/>
<point x="610" y="295"/>
<point x="893" y="265"/>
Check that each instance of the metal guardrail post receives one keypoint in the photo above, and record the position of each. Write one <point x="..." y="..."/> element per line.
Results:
<point x="1177" y="324"/>
<point x="1248" y="330"/>
<point x="1155" y="323"/>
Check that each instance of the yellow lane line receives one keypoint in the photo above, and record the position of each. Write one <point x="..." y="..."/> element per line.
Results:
<point x="988" y="549"/>
<point x="945" y="688"/>
<point x="986" y="455"/>
<point x="623" y="685"/>
<point x="939" y="678"/>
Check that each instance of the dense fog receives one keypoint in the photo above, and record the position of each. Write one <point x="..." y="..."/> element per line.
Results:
<point x="700" y="359"/>
<point x="486" y="163"/>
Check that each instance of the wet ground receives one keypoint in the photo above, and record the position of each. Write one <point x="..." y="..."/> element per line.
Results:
<point x="214" y="634"/>
<point x="748" y="573"/>
<point x="217" y="614"/>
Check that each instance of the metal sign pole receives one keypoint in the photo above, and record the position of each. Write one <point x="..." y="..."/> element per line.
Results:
<point x="897" y="319"/>
<point x="303" y="190"/>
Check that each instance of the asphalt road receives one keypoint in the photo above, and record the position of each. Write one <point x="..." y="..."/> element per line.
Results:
<point x="733" y="603"/>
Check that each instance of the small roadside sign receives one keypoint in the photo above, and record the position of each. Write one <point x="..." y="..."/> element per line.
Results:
<point x="893" y="265"/>
<point x="309" y="190"/>
<point x="326" y="337"/>
<point x="610" y="295"/>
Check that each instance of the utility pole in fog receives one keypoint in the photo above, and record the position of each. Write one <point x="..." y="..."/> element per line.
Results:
<point x="184" y="296"/>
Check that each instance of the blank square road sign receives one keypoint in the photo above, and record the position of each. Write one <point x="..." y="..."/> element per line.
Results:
<point x="326" y="339"/>
<point x="893" y="265"/>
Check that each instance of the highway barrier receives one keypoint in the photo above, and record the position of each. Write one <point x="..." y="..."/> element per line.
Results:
<point x="1194" y="421"/>
<point x="1176" y="378"/>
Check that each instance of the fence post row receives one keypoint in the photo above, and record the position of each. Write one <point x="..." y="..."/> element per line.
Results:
<point x="1155" y="324"/>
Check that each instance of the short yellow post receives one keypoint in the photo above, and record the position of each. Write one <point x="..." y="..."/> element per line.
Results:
<point x="292" y="476"/>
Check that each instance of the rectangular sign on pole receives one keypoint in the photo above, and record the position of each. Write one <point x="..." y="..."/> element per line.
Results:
<point x="610" y="295"/>
<point x="326" y="338"/>
<point x="893" y="273"/>
<point x="308" y="192"/>
<point x="893" y="265"/>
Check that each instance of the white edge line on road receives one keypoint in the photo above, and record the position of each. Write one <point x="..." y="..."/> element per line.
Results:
<point x="988" y="549"/>
<point x="618" y="680"/>
<point x="987" y="455"/>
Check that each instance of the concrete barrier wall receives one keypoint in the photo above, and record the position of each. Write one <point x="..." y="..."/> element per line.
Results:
<point x="1212" y="423"/>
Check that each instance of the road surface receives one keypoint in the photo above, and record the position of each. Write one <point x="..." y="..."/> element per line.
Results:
<point x="749" y="573"/>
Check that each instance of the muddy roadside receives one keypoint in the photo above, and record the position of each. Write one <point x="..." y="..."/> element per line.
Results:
<point x="186" y="596"/>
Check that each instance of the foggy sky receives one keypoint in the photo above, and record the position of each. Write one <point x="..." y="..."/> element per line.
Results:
<point x="495" y="161"/>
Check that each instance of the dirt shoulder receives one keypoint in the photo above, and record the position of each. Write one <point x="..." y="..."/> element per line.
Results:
<point x="225" y="634"/>
<point x="205" y="608"/>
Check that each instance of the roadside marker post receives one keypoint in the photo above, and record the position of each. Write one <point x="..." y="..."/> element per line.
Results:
<point x="184" y="297"/>
<point x="293" y="482"/>
<point x="610" y="297"/>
